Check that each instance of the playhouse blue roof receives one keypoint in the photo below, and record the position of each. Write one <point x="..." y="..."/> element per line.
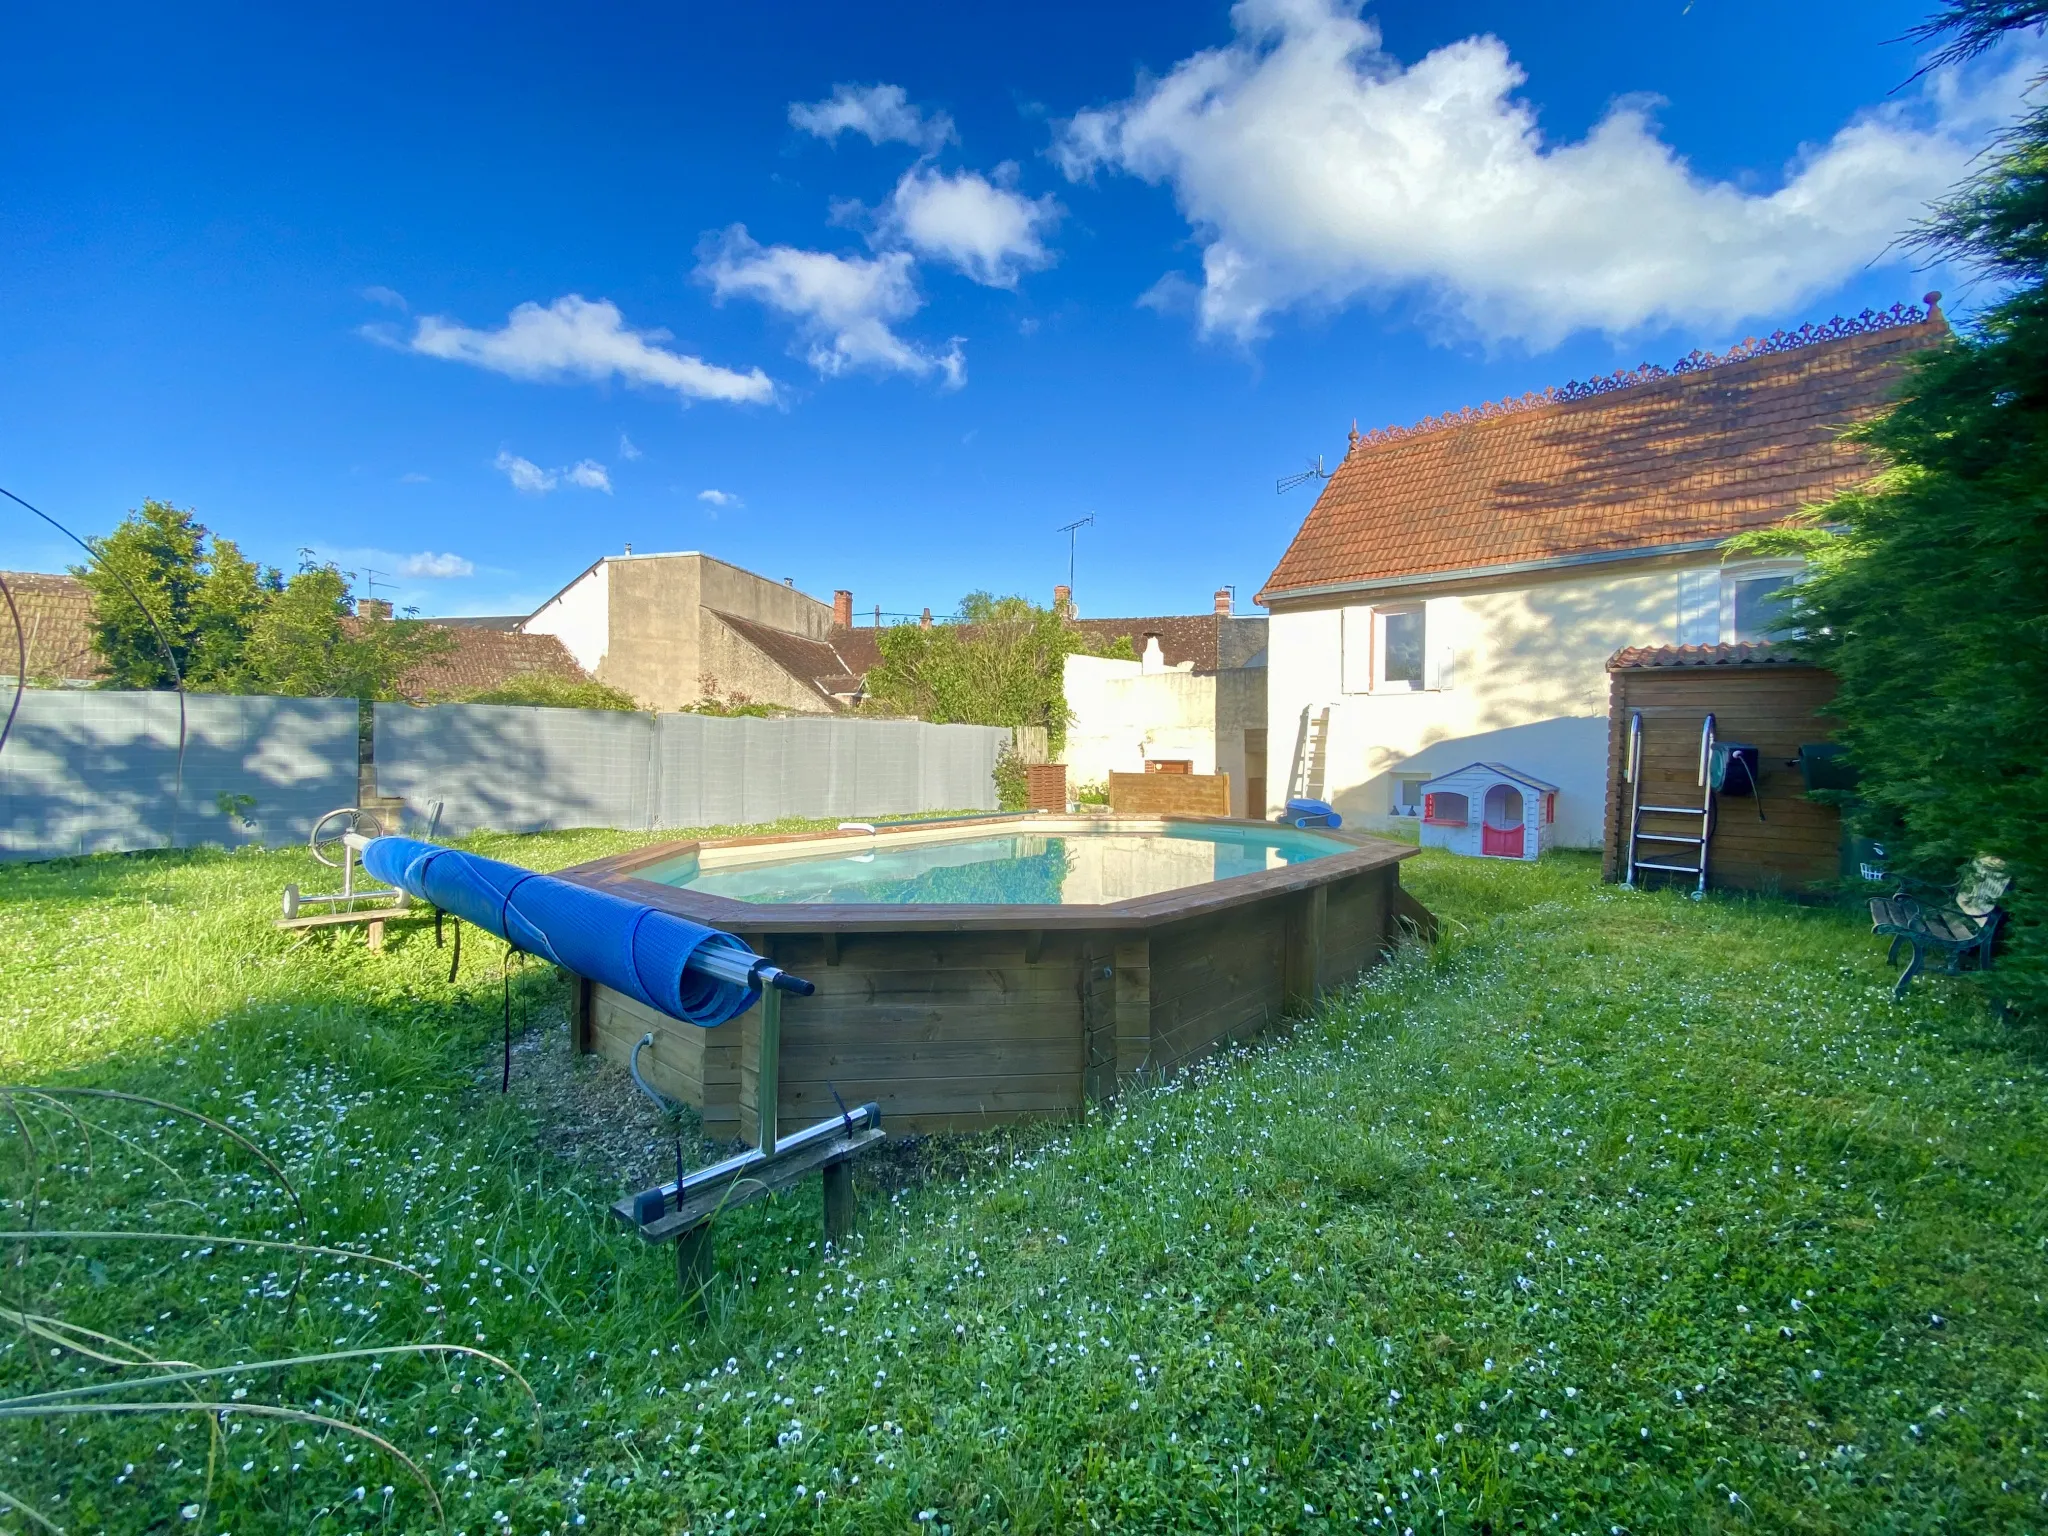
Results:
<point x="1528" y="780"/>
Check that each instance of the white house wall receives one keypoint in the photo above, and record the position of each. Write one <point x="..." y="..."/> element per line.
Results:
<point x="1528" y="687"/>
<point x="1124" y="716"/>
<point x="580" y="617"/>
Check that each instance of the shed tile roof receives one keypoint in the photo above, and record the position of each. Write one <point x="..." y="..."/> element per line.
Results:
<point x="56" y="621"/>
<point x="1643" y="460"/>
<point x="1744" y="654"/>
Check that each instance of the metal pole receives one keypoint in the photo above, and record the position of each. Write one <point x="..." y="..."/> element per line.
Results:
<point x="767" y="1084"/>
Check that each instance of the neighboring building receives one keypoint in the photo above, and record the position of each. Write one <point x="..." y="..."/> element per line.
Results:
<point x="1193" y="702"/>
<point x="1459" y="585"/>
<point x="57" y="621"/>
<point x="674" y="630"/>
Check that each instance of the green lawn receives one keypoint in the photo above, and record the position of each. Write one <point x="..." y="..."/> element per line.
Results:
<point x="1616" y="1212"/>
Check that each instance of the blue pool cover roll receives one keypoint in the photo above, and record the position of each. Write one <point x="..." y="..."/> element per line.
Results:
<point x="629" y="947"/>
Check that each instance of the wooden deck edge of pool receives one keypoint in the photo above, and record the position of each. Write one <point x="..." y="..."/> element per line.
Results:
<point x="960" y="1018"/>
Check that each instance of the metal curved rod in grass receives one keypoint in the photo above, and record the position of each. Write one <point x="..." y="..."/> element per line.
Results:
<point x="205" y="1240"/>
<point x="20" y="664"/>
<point x="255" y="1410"/>
<point x="163" y="644"/>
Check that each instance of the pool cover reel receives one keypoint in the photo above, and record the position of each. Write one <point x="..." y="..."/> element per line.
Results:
<point x="685" y="970"/>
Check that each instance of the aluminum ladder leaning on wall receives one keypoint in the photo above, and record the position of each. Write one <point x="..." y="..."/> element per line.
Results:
<point x="1311" y="750"/>
<point x="1704" y="811"/>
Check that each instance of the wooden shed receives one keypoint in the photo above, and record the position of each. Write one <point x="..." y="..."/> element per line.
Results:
<point x="1776" y="839"/>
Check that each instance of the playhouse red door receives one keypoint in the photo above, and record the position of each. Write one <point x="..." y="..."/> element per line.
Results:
<point x="1500" y="831"/>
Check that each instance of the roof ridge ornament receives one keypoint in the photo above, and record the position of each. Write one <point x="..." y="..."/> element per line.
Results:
<point x="1696" y="361"/>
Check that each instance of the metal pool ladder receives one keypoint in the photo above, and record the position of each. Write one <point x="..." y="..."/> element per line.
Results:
<point x="1703" y="812"/>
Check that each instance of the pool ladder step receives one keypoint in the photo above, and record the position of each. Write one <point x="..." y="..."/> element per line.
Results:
<point x="1703" y="813"/>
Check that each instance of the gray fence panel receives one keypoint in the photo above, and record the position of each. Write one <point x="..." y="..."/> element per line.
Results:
<point x="679" y="748"/>
<point x="460" y="767"/>
<point x="96" y="771"/>
<point x="513" y="768"/>
<point x="959" y="766"/>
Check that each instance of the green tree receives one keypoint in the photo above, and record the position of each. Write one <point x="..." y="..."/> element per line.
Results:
<point x="158" y="557"/>
<point x="233" y="626"/>
<point x="545" y="688"/>
<point x="1000" y="661"/>
<point x="1928" y="594"/>
<point x="306" y="642"/>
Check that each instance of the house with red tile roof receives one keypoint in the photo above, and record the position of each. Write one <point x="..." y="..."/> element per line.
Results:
<point x="1456" y="591"/>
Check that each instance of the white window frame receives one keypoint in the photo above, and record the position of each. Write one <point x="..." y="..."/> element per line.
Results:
<point x="1362" y="651"/>
<point x="1380" y="615"/>
<point x="1732" y="576"/>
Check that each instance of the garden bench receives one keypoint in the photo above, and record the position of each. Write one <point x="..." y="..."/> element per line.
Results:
<point x="1954" y="921"/>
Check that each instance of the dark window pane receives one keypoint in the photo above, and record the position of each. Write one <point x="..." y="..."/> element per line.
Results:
<point x="1404" y="647"/>
<point x="1759" y="606"/>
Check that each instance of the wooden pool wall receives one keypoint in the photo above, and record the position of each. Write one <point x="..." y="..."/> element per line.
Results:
<point x="956" y="1018"/>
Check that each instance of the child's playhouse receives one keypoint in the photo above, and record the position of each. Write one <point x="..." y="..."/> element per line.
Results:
<point x="1486" y="810"/>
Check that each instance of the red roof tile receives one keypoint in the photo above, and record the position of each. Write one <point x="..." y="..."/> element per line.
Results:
<point x="1748" y="653"/>
<point x="1644" y="460"/>
<point x="57" y="623"/>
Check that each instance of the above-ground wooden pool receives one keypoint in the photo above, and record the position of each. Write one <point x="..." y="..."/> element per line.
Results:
<point x="999" y="968"/>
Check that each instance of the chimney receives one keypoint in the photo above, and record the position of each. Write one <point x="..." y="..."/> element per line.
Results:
<point x="789" y="581"/>
<point x="842" y="609"/>
<point x="924" y="620"/>
<point x="1223" y="602"/>
<point x="373" y="607"/>
<point x="629" y="549"/>
<point x="1152" y="659"/>
<point x="1063" y="601"/>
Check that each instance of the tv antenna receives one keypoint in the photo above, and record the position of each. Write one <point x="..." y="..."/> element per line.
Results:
<point x="370" y="582"/>
<point x="1287" y="483"/>
<point x="1073" y="532"/>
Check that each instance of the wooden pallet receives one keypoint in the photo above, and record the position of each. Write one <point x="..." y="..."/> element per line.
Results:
<point x="376" y="918"/>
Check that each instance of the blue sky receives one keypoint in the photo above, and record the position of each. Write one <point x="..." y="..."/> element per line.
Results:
<point x="879" y="296"/>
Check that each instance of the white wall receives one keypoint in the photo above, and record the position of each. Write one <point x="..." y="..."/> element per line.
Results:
<point x="580" y="617"/>
<point x="1528" y="687"/>
<point x="1124" y="715"/>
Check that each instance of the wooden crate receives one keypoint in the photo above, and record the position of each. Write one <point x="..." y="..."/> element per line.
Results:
<point x="1169" y="794"/>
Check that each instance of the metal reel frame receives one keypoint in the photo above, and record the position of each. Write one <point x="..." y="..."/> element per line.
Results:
<point x="330" y="832"/>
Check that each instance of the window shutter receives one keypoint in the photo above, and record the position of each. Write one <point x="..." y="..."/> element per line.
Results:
<point x="1442" y="669"/>
<point x="1356" y="643"/>
<point x="1699" y="606"/>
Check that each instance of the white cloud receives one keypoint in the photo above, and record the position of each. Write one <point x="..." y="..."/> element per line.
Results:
<point x="1316" y="169"/>
<point x="846" y="305"/>
<point x="436" y="567"/>
<point x="529" y="478"/>
<point x="983" y="227"/>
<point x="882" y="113"/>
<point x="574" y="338"/>
<point x="414" y="477"/>
<point x="720" y="498"/>
<point x="524" y="474"/>
<point x="390" y="298"/>
<point x="628" y="450"/>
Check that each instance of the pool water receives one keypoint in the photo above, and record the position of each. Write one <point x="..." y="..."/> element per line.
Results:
<point x="1007" y="868"/>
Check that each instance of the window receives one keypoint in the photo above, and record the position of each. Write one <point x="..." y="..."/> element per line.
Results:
<point x="1446" y="808"/>
<point x="1759" y="606"/>
<point x="1398" y="633"/>
<point x="1408" y="795"/>
<point x="1386" y="650"/>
